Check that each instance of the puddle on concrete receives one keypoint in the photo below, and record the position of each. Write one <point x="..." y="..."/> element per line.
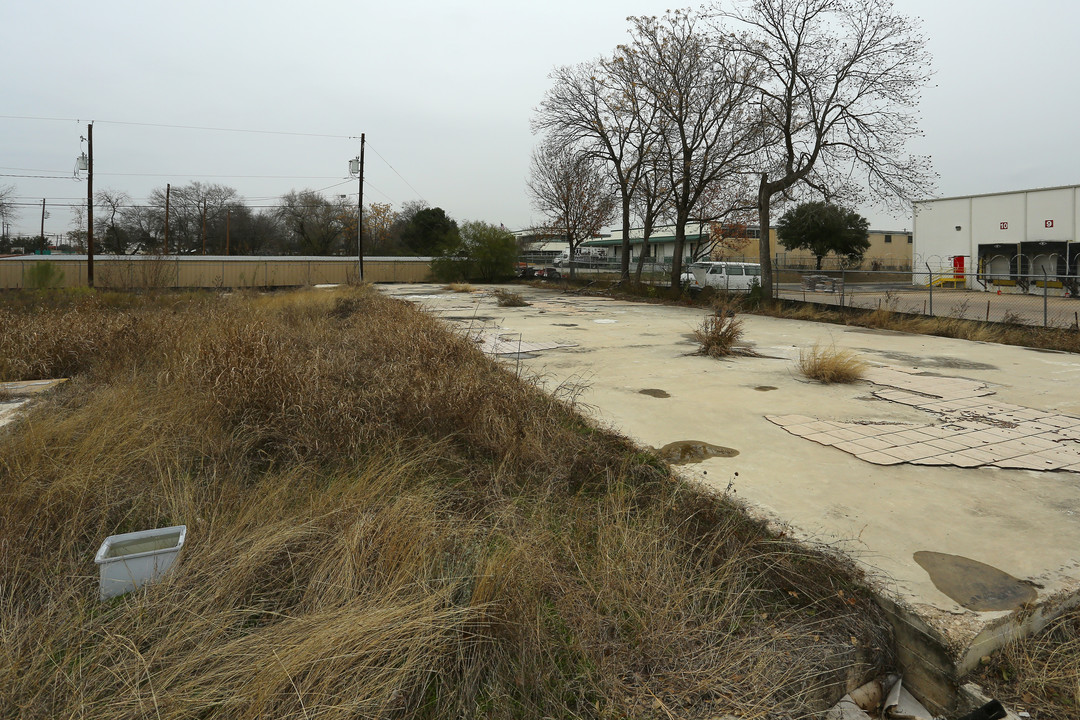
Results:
<point x="653" y="392"/>
<point x="975" y="585"/>
<point x="692" y="451"/>
<point x="935" y="361"/>
<point x="565" y="324"/>
<point x="765" y="388"/>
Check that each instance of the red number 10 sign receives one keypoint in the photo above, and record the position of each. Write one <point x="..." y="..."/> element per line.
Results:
<point x="1004" y="226"/>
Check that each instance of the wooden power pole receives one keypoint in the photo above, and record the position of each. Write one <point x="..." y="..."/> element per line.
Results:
<point x="90" y="205"/>
<point x="168" y="189"/>
<point x="360" y="213"/>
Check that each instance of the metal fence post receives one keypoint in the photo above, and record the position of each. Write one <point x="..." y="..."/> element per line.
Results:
<point x="776" y="277"/>
<point x="930" y="284"/>
<point x="1046" y="284"/>
<point x="843" y="285"/>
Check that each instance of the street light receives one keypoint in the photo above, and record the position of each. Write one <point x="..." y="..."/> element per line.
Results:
<point x="356" y="169"/>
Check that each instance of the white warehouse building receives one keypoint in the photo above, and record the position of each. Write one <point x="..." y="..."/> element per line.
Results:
<point x="1001" y="241"/>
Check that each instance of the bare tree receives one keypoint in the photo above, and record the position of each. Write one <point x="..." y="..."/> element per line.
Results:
<point x="144" y="226"/>
<point x="596" y="106"/>
<point x="7" y="207"/>
<point x="196" y="215"/>
<point x="113" y="234"/>
<point x="569" y="188"/>
<point x="316" y="223"/>
<point x="699" y="87"/>
<point x="837" y="95"/>
<point x="652" y="201"/>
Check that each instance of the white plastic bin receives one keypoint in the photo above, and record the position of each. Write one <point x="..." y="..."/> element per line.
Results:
<point x="129" y="560"/>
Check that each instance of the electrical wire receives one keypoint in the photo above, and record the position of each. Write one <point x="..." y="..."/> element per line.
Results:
<point x="40" y="177"/>
<point x="397" y="173"/>
<point x="182" y="127"/>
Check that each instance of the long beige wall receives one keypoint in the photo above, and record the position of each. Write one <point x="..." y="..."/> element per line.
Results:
<point x="173" y="272"/>
<point x="896" y="253"/>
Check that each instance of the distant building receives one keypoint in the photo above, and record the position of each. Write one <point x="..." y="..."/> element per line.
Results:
<point x="888" y="249"/>
<point x="999" y="238"/>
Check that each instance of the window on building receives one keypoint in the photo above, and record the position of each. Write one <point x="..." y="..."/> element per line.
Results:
<point x="888" y="238"/>
<point x="909" y="239"/>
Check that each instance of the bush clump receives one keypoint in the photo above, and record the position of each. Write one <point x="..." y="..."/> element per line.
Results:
<point x="720" y="331"/>
<point x="509" y="298"/>
<point x="831" y="365"/>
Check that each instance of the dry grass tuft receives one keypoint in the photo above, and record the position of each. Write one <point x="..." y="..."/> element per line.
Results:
<point x="382" y="522"/>
<point x="1039" y="674"/>
<point x="460" y="287"/>
<point x="508" y="298"/>
<point x="831" y="365"/>
<point x="720" y="331"/>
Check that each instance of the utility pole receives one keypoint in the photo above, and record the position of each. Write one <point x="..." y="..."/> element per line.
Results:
<point x="204" y="228"/>
<point x="168" y="189"/>
<point x="357" y="167"/>
<point x="43" y="225"/>
<point x="90" y="205"/>
<point x="228" y="218"/>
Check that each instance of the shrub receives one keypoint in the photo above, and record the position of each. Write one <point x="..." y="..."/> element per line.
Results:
<point x="486" y="252"/>
<point x="43" y="275"/>
<point x="460" y="287"/>
<point x="720" y="331"/>
<point x="508" y="298"/>
<point x="831" y="365"/>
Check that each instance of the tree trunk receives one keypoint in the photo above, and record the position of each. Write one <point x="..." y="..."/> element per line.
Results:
<point x="646" y="234"/>
<point x="819" y="262"/>
<point x="764" y="251"/>
<point x="625" y="264"/>
<point x="680" y="243"/>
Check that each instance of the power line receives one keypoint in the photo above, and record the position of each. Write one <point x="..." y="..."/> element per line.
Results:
<point x="183" y="127"/>
<point x="40" y="177"/>
<point x="170" y="174"/>
<point x="397" y="173"/>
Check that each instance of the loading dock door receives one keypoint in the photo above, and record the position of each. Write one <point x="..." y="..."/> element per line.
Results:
<point x="998" y="262"/>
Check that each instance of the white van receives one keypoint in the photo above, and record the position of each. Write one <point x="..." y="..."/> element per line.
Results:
<point x="732" y="276"/>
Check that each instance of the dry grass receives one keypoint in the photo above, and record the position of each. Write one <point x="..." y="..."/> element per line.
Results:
<point x="508" y="298"/>
<point x="1008" y="332"/>
<point x="460" y="287"/>
<point x="1039" y="674"/>
<point x="382" y="522"/>
<point x="720" y="331"/>
<point x="831" y="365"/>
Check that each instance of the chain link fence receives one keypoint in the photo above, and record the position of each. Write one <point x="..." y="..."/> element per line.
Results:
<point x="653" y="272"/>
<point x="1024" y="299"/>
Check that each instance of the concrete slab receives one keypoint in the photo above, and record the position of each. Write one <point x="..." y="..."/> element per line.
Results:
<point x="878" y="507"/>
<point x="14" y="396"/>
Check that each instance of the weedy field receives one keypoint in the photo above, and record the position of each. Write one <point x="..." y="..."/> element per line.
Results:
<point x="382" y="522"/>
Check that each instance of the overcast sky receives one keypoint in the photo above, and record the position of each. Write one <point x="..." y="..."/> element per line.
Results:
<point x="444" y="91"/>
